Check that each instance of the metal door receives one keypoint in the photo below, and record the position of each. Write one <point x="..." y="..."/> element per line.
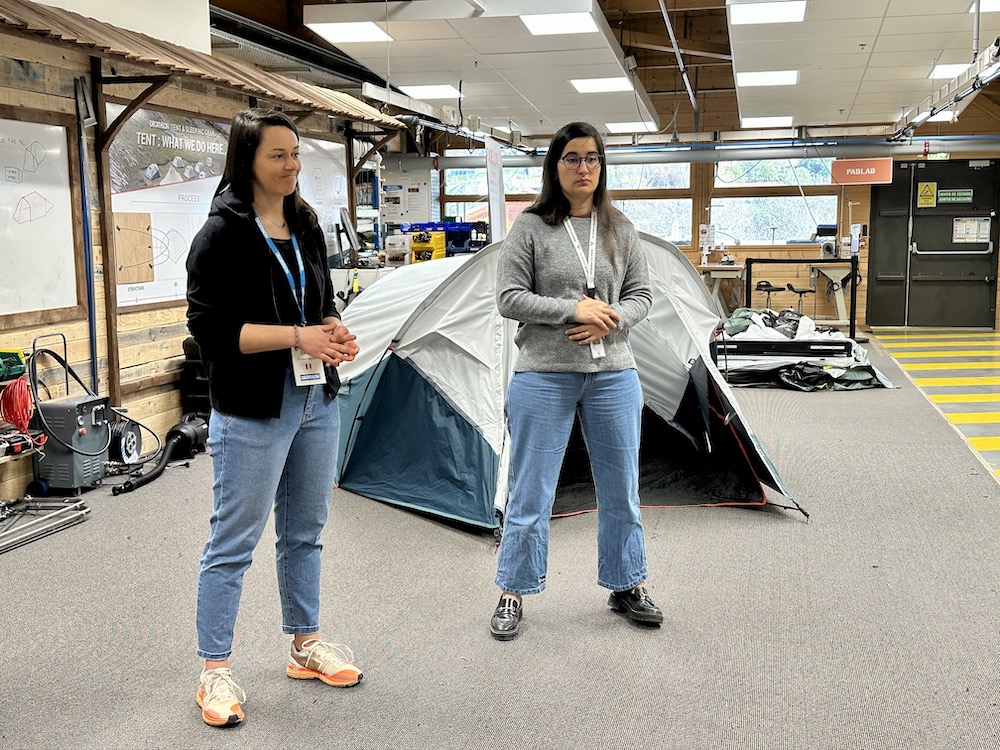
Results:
<point x="933" y="259"/>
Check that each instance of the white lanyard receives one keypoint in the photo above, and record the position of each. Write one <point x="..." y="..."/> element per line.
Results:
<point x="588" y="261"/>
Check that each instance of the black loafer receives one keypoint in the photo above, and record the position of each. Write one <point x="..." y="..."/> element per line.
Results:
<point x="636" y="605"/>
<point x="506" y="619"/>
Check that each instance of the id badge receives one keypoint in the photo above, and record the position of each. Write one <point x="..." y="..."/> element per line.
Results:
<point x="308" y="370"/>
<point x="597" y="350"/>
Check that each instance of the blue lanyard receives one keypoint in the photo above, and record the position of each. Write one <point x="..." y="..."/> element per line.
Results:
<point x="300" y="300"/>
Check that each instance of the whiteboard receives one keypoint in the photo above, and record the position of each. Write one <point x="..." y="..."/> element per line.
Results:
<point x="36" y="219"/>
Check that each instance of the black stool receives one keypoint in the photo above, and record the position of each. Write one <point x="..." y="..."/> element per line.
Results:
<point x="802" y="293"/>
<point x="766" y="286"/>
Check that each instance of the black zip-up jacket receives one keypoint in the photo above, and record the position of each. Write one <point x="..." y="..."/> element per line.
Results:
<point x="233" y="278"/>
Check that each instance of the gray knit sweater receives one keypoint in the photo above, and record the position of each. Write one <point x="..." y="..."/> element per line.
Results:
<point x="540" y="280"/>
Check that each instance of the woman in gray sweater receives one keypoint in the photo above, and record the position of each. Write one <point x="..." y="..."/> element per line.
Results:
<point x="573" y="274"/>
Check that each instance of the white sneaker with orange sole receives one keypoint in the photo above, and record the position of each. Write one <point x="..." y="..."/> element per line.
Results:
<point x="329" y="662"/>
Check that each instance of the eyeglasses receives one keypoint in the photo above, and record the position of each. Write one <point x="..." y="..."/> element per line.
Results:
<point x="573" y="161"/>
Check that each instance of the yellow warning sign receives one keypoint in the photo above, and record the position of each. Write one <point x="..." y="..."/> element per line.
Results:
<point x="926" y="194"/>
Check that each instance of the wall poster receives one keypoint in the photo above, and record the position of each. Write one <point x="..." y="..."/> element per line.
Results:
<point x="164" y="171"/>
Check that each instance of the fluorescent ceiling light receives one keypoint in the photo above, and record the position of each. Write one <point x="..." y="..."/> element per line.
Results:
<point x="766" y="122"/>
<point x="439" y="91"/>
<point x="546" y="24"/>
<point x="949" y="70"/>
<point x="600" y="85"/>
<point x="631" y="127"/>
<point x="346" y="33"/>
<point x="921" y="117"/>
<point x="986" y="6"/>
<point x="790" y="11"/>
<point x="947" y="116"/>
<point x="768" y="78"/>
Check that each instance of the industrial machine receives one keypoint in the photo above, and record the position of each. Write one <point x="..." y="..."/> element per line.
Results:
<point x="79" y="432"/>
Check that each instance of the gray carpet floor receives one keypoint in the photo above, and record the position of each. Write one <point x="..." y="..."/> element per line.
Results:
<point x="872" y="625"/>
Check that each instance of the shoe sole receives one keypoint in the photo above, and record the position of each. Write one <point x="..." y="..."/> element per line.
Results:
<point x="232" y="720"/>
<point x="504" y="635"/>
<point x="301" y="673"/>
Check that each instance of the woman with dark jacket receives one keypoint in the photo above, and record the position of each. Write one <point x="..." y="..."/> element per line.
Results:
<point x="260" y="306"/>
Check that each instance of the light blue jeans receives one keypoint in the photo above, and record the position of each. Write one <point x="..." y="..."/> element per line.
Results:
<point x="286" y="464"/>
<point x="540" y="411"/>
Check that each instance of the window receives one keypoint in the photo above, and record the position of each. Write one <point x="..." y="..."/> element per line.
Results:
<point x="664" y="218"/>
<point x="771" y="220"/>
<point x="648" y="176"/>
<point x="790" y="172"/>
<point x="516" y="181"/>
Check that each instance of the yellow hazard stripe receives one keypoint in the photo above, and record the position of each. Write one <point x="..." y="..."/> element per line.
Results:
<point x="938" y="336"/>
<point x="937" y="344"/>
<point x="953" y="353"/>
<point x="935" y="382"/>
<point x="975" y="417"/>
<point x="963" y="398"/>
<point x="991" y="365"/>
<point x="985" y="443"/>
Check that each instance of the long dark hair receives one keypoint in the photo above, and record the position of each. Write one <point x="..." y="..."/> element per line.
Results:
<point x="553" y="206"/>
<point x="245" y="133"/>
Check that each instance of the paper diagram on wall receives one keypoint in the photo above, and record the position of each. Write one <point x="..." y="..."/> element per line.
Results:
<point x="31" y="207"/>
<point x="36" y="219"/>
<point x="133" y="247"/>
<point x="164" y="171"/>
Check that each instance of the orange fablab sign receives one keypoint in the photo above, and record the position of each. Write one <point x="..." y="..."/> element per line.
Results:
<point x="861" y="171"/>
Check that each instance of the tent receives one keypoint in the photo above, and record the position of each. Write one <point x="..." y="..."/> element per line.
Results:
<point x="422" y="422"/>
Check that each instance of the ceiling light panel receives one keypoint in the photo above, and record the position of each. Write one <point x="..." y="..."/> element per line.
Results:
<point x="350" y="33"/>
<point x="948" y="71"/>
<point x="599" y="85"/>
<point x="986" y="6"/>
<point x="550" y="24"/>
<point x="748" y="123"/>
<point x="631" y="127"/>
<point x="788" y="11"/>
<point x="768" y="78"/>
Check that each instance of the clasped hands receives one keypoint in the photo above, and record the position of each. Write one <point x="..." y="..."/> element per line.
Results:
<point x="330" y="342"/>
<point x="596" y="320"/>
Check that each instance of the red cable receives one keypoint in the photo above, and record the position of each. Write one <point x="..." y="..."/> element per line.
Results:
<point x="17" y="407"/>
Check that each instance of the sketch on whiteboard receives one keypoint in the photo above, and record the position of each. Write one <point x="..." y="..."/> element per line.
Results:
<point x="34" y="155"/>
<point x="13" y="174"/>
<point x="31" y="207"/>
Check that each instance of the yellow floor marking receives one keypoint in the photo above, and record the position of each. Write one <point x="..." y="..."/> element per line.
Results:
<point x="942" y="345"/>
<point x="985" y="443"/>
<point x="975" y="417"/>
<point x="935" y="382"/>
<point x="951" y="353"/>
<point x="917" y="336"/>
<point x="964" y="398"/>
<point x="991" y="365"/>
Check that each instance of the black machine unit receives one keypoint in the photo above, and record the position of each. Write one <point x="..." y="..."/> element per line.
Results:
<point x="83" y="424"/>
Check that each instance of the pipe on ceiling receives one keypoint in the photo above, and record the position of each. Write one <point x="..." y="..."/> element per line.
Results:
<point x="710" y="153"/>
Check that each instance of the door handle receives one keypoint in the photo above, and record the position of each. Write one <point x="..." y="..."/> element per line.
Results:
<point x="955" y="253"/>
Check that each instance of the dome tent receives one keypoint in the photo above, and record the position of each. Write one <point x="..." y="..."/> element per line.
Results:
<point x="422" y="420"/>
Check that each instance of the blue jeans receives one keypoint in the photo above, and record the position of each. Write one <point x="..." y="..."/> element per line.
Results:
<point x="540" y="411"/>
<point x="287" y="464"/>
